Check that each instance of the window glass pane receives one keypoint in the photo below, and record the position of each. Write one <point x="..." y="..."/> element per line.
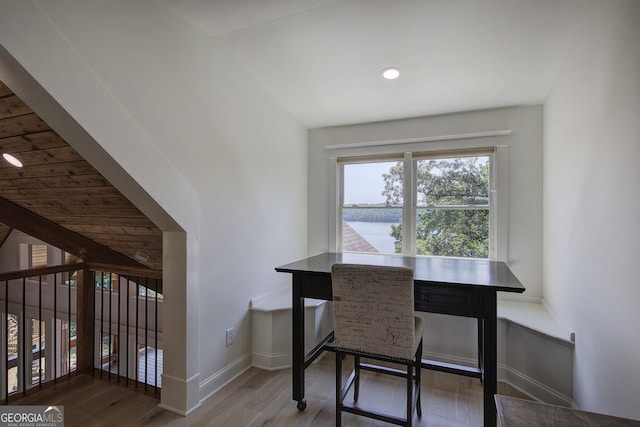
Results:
<point x="457" y="181"/>
<point x="12" y="341"/>
<point x="373" y="184"/>
<point x="12" y="352"/>
<point x="68" y="340"/>
<point x="38" y="340"/>
<point x="38" y="256"/>
<point x="38" y="374"/>
<point x="12" y="376"/>
<point x="143" y="291"/>
<point x="372" y="230"/>
<point x="106" y="281"/>
<point x="453" y="232"/>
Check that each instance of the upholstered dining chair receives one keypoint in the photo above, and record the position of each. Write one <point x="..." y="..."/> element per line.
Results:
<point x="374" y="319"/>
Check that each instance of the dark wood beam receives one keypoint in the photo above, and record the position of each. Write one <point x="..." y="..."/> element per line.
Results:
<point x="5" y="230"/>
<point x="85" y="319"/>
<point x="41" y="228"/>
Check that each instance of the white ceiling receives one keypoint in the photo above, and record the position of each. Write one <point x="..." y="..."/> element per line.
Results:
<point x="322" y="58"/>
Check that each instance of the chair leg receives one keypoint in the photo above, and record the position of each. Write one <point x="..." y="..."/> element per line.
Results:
<point x="418" y="368"/>
<point x="356" y="389"/>
<point x="480" y="346"/>
<point x="338" y="389"/>
<point x="409" y="393"/>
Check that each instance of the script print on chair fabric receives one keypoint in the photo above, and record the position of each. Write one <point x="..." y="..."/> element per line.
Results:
<point x="373" y="309"/>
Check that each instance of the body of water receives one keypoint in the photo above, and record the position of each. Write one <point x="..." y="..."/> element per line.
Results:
<point x="378" y="234"/>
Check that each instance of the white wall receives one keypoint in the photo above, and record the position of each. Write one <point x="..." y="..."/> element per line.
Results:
<point x="225" y="161"/>
<point x="591" y="205"/>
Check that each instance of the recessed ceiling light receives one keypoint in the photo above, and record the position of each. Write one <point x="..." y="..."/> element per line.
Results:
<point x="12" y="159"/>
<point x="391" y="73"/>
<point x="141" y="256"/>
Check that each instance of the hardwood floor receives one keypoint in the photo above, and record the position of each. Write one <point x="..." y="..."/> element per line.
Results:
<point x="263" y="398"/>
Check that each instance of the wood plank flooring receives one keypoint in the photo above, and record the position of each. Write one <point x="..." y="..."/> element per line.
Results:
<point x="263" y="398"/>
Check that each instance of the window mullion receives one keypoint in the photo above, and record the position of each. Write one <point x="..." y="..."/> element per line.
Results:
<point x="409" y="210"/>
<point x="335" y="210"/>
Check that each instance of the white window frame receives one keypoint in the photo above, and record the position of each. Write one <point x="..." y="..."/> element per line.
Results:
<point x="498" y="211"/>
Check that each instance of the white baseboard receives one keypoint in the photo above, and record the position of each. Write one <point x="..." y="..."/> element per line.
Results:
<point x="224" y="376"/>
<point x="446" y="358"/>
<point x="514" y="378"/>
<point x="532" y="388"/>
<point x="272" y="362"/>
<point x="180" y="395"/>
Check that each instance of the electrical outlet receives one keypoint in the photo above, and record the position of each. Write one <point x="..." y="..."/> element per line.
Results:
<point x="231" y="335"/>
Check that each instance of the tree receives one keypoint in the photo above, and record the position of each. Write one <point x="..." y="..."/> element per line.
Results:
<point x="448" y="190"/>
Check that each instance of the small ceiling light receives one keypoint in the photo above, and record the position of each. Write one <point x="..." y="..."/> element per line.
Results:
<point x="12" y="160"/>
<point x="391" y="73"/>
<point x="141" y="256"/>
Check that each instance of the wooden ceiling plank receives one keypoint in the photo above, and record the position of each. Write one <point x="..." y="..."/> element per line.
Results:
<point x="58" y="236"/>
<point x="86" y="181"/>
<point x="138" y="222"/>
<point x="103" y="212"/>
<point x="117" y="230"/>
<point x="76" y="203"/>
<point x="32" y="142"/>
<point x="49" y="170"/>
<point x="69" y="193"/>
<point x="137" y="242"/>
<point x="12" y="106"/>
<point x="22" y="125"/>
<point x="131" y="248"/>
<point x="49" y="156"/>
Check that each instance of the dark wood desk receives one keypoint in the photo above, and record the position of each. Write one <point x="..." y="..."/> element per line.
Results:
<point x="458" y="287"/>
<point x="514" y="412"/>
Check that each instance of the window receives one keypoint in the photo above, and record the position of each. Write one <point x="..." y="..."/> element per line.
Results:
<point x="144" y="292"/>
<point x="38" y="258"/>
<point x="444" y="197"/>
<point x="68" y="333"/>
<point x="107" y="281"/>
<point x="12" y="352"/>
<point x="38" y="338"/>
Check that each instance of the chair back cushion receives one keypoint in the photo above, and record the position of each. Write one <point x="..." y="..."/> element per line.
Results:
<point x="374" y="310"/>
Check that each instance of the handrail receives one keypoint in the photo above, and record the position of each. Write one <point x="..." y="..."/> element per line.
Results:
<point x="118" y="269"/>
<point x="40" y="271"/>
<point x="126" y="271"/>
<point x="133" y="274"/>
<point x="129" y="272"/>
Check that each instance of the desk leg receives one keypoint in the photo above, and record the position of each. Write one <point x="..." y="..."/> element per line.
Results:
<point x="490" y="350"/>
<point x="297" y="319"/>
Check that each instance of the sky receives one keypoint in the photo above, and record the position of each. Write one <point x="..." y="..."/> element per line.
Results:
<point x="364" y="183"/>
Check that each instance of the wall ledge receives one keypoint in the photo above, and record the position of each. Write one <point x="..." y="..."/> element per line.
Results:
<point x="280" y="299"/>
<point x="535" y="316"/>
